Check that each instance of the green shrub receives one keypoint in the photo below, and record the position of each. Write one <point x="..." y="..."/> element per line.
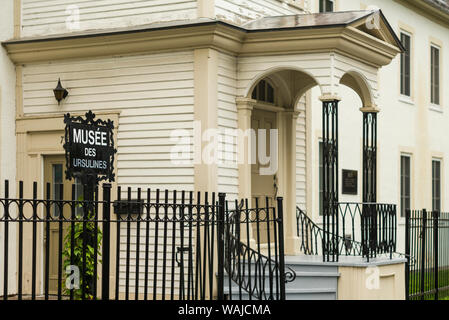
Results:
<point x="86" y="276"/>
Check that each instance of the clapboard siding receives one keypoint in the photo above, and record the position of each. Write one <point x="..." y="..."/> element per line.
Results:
<point x="45" y="17"/>
<point x="154" y="94"/>
<point x="242" y="11"/>
<point x="301" y="169"/>
<point x="227" y="123"/>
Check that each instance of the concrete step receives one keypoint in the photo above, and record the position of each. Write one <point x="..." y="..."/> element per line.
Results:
<point x="295" y="294"/>
<point x="318" y="280"/>
<point x="309" y="267"/>
<point x="315" y="280"/>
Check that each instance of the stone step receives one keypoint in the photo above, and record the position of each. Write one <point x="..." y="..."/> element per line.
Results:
<point x="295" y="294"/>
<point x="315" y="280"/>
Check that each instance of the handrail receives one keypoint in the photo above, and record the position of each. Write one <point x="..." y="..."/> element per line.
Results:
<point x="376" y="228"/>
<point x="348" y="245"/>
<point x="248" y="267"/>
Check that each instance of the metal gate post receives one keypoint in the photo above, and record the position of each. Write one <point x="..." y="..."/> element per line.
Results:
<point x="435" y="247"/>
<point x="423" y="250"/>
<point x="106" y="241"/>
<point x="407" y="254"/>
<point x="280" y="222"/>
<point x="220" y="245"/>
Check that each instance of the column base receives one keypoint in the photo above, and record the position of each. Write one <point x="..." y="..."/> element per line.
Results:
<point x="292" y="246"/>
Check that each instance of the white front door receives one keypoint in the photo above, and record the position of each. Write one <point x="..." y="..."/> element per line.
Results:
<point x="263" y="184"/>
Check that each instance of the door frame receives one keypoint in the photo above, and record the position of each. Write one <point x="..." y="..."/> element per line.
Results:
<point x="286" y="124"/>
<point x="260" y="106"/>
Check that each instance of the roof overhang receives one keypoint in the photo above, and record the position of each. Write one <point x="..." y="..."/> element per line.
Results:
<point x="434" y="10"/>
<point x="346" y="38"/>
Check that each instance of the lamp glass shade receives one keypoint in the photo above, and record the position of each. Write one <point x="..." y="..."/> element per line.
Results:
<point x="60" y="92"/>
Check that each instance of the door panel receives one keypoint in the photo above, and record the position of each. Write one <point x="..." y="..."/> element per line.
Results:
<point x="263" y="186"/>
<point x="54" y="167"/>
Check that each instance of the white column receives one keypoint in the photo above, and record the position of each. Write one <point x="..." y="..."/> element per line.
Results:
<point x="244" y="108"/>
<point x="292" y="244"/>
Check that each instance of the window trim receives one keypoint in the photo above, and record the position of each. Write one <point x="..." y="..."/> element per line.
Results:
<point x="440" y="161"/>
<point x="402" y="95"/>
<point x="410" y="156"/>
<point x="403" y="99"/>
<point x="334" y="6"/>
<point x="275" y="92"/>
<point x="436" y="106"/>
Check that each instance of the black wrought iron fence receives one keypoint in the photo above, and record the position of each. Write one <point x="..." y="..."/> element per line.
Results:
<point x="145" y="245"/>
<point x="254" y="254"/>
<point x="361" y="229"/>
<point x="157" y="245"/>
<point x="426" y="243"/>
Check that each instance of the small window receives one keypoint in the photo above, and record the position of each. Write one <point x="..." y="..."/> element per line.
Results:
<point x="405" y="65"/>
<point x="405" y="184"/>
<point x="436" y="185"/>
<point x="326" y="6"/>
<point x="435" y="75"/>
<point x="264" y="91"/>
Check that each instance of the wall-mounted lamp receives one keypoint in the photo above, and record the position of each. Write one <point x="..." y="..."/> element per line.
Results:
<point x="60" y="92"/>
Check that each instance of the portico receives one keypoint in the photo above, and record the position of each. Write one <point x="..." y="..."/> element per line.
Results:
<point x="328" y="64"/>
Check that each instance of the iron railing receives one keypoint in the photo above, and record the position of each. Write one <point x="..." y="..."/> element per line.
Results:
<point x="426" y="242"/>
<point x="165" y="246"/>
<point x="363" y="229"/>
<point x="153" y="245"/>
<point x="311" y="237"/>
<point x="254" y="254"/>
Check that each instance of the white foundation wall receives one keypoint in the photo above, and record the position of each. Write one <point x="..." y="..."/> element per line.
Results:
<point x="227" y="181"/>
<point x="7" y="140"/>
<point x="47" y="17"/>
<point x="242" y="11"/>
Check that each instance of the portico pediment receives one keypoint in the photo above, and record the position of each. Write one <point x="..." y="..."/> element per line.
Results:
<point x="377" y="26"/>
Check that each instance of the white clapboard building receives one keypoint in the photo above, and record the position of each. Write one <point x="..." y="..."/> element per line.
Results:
<point x="183" y="79"/>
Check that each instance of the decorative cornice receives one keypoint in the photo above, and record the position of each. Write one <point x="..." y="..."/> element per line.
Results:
<point x="217" y="34"/>
<point x="245" y="103"/>
<point x="429" y="8"/>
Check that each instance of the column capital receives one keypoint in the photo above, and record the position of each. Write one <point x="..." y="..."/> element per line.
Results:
<point x="293" y="113"/>
<point x="245" y="103"/>
<point x="329" y="97"/>
<point x="370" y="109"/>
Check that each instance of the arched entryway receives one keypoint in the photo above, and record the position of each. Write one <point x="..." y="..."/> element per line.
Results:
<point x="275" y="99"/>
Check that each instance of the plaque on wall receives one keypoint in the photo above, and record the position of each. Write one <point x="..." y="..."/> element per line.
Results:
<point x="349" y="182"/>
